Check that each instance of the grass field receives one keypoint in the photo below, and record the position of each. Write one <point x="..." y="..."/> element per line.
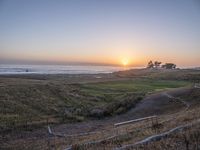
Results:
<point x="27" y="102"/>
<point x="131" y="86"/>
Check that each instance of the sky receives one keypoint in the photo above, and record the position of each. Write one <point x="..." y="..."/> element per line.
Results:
<point x="100" y="31"/>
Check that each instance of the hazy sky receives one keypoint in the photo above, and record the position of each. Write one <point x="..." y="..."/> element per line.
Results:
<point x="102" y="31"/>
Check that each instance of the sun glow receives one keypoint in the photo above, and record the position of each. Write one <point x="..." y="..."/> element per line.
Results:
<point x="125" y="61"/>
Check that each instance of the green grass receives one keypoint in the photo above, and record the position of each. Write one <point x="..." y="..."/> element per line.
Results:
<point x="127" y="86"/>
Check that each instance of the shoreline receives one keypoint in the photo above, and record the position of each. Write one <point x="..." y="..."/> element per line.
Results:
<point x="58" y="69"/>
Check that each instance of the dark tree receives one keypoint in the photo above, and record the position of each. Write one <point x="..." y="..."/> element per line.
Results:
<point x="150" y="64"/>
<point x="157" y="64"/>
<point x="169" y="66"/>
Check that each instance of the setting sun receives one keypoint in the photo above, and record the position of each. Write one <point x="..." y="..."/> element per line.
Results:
<point x="125" y="61"/>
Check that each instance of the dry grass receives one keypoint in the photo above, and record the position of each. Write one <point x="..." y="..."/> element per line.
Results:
<point x="129" y="134"/>
<point x="31" y="94"/>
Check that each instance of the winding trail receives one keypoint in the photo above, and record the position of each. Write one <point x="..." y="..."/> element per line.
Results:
<point x="154" y="104"/>
<point x="187" y="105"/>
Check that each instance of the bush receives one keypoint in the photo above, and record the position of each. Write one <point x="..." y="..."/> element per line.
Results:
<point x="117" y="107"/>
<point x="97" y="112"/>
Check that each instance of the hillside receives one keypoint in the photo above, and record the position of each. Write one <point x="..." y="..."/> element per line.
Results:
<point x="30" y="103"/>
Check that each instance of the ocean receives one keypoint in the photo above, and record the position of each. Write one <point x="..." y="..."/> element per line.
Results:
<point x="57" y="69"/>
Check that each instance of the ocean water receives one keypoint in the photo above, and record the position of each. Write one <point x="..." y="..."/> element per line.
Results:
<point x="57" y="69"/>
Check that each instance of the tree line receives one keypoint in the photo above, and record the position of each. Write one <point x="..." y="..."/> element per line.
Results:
<point x="157" y="64"/>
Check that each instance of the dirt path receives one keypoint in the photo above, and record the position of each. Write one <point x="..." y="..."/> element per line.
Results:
<point x="187" y="105"/>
